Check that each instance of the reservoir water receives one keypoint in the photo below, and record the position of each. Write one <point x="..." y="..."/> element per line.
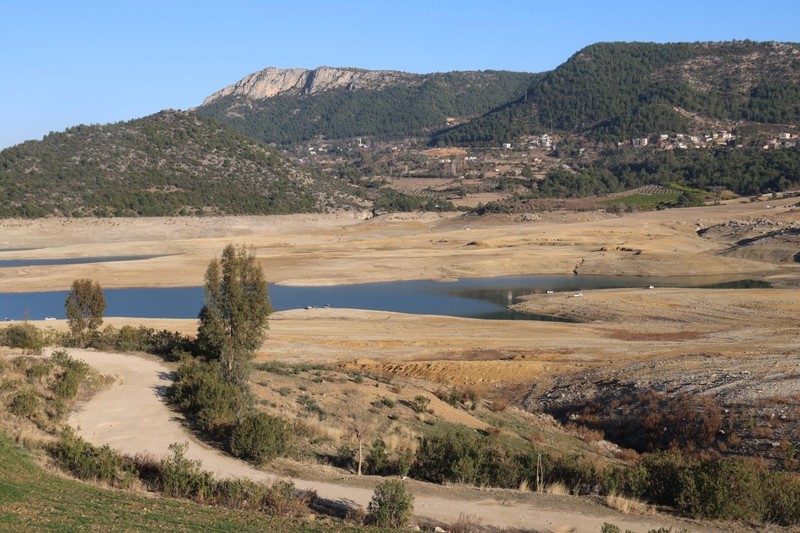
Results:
<point x="11" y="263"/>
<point x="470" y="298"/>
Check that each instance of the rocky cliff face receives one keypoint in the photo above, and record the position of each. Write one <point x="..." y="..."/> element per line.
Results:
<point x="296" y="81"/>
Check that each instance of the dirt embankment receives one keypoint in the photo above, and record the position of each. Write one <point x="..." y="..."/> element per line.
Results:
<point x="132" y="418"/>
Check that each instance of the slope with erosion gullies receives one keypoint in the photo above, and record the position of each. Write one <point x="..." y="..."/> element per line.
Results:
<point x="169" y="163"/>
<point x="289" y="106"/>
<point x="616" y="91"/>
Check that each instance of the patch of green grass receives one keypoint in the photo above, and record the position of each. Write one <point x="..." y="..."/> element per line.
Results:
<point x="643" y="201"/>
<point x="288" y="369"/>
<point x="32" y="499"/>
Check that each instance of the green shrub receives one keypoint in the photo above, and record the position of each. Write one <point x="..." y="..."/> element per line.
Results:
<point x="142" y="339"/>
<point x="284" y="499"/>
<point x="782" y="494"/>
<point x="420" y="403"/>
<point x="37" y="371"/>
<point x="392" y="505"/>
<point x="25" y="336"/>
<point x="73" y="371"/>
<point x="89" y="462"/>
<point x="183" y="478"/>
<point x="728" y="489"/>
<point x="377" y="458"/>
<point x="259" y="437"/>
<point x="239" y="493"/>
<point x="24" y="404"/>
<point x="215" y="403"/>
<point x="458" y="396"/>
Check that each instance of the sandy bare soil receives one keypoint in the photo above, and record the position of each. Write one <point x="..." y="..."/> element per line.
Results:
<point x="334" y="249"/>
<point x="692" y="339"/>
<point x="131" y="417"/>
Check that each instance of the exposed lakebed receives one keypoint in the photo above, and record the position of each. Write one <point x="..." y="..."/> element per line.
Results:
<point x="485" y="298"/>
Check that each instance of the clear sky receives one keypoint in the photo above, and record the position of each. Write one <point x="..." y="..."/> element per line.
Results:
<point x="69" y="62"/>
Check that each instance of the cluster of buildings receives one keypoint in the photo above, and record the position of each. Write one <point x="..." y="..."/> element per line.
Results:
<point x="784" y="140"/>
<point x="541" y="141"/>
<point x="682" y="141"/>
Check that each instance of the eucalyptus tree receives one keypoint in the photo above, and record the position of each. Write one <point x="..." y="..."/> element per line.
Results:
<point x="233" y="320"/>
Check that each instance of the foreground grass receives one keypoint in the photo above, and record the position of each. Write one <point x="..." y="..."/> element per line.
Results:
<point x="33" y="499"/>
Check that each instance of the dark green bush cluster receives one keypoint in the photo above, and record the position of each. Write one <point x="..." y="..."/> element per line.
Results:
<point x="181" y="477"/>
<point x="184" y="478"/>
<point x="392" y="505"/>
<point x="89" y="462"/>
<point x="168" y="344"/>
<point x="721" y="488"/>
<point x="65" y="387"/>
<point x="259" y="437"/>
<point x="44" y="396"/>
<point x="378" y="462"/>
<point x="458" y="457"/>
<point x="25" y="336"/>
<point x="215" y="403"/>
<point x="224" y="410"/>
<point x="176" y="476"/>
<point x="25" y="403"/>
<point x="715" y="488"/>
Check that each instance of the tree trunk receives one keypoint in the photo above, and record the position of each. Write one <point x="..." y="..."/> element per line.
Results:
<point x="360" y="455"/>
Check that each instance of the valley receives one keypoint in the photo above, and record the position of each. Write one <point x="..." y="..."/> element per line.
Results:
<point x="669" y="400"/>
<point x="734" y="346"/>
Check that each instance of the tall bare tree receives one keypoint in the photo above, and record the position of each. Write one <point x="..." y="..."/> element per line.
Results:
<point x="360" y="425"/>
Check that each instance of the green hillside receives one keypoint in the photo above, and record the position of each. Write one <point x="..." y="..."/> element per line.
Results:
<point x="615" y="91"/>
<point x="169" y="163"/>
<point x="414" y="105"/>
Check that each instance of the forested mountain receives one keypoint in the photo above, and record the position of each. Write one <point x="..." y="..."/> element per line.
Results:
<point x="287" y="106"/>
<point x="164" y="164"/>
<point x="615" y="91"/>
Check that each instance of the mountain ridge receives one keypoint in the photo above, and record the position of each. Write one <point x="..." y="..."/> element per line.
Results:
<point x="273" y="81"/>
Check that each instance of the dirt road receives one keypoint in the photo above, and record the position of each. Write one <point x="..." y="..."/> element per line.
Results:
<point x="131" y="417"/>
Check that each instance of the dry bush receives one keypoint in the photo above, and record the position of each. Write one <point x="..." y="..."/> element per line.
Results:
<point x="466" y="523"/>
<point x="626" y="505"/>
<point x="356" y="514"/>
<point x="499" y="405"/>
<point x="589" y="435"/>
<point x="628" y="455"/>
<point x="559" y="489"/>
<point x="762" y="432"/>
<point x="493" y="430"/>
<point x="536" y="438"/>
<point x="523" y="486"/>
<point x="401" y="438"/>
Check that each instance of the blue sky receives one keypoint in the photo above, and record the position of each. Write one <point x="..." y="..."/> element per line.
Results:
<point x="65" y="62"/>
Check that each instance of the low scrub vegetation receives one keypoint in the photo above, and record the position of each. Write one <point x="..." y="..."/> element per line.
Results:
<point x="649" y="421"/>
<point x="224" y="411"/>
<point x="24" y="336"/>
<point x="392" y="505"/>
<point x="41" y="390"/>
<point x="709" y="488"/>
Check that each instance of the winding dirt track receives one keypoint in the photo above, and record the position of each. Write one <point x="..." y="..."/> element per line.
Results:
<point x="131" y="417"/>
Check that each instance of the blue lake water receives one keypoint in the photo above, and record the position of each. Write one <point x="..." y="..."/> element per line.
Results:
<point x="9" y="263"/>
<point x="470" y="298"/>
